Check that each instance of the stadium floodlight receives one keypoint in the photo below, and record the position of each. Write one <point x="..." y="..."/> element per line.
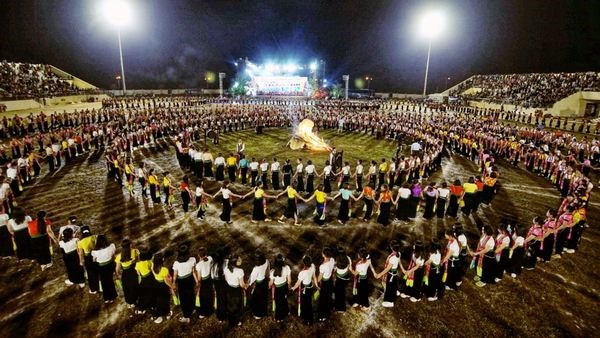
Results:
<point x="313" y="66"/>
<point x="118" y="13"/>
<point x="431" y="26"/>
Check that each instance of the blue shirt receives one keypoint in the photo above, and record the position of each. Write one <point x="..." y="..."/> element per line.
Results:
<point x="345" y="193"/>
<point x="243" y="163"/>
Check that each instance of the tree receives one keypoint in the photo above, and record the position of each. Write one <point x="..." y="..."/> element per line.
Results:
<point x="337" y="91"/>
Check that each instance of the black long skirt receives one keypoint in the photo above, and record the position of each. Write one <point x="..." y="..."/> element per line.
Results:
<point x="340" y="293"/>
<point x="362" y="292"/>
<point x="434" y="282"/>
<point x="220" y="176"/>
<point x="515" y="264"/>
<point x="161" y="299"/>
<point x="344" y="212"/>
<point x="235" y="305"/>
<point x="260" y="299"/>
<point x="452" y="210"/>
<point x="454" y="272"/>
<point x="391" y="286"/>
<point x="106" y="271"/>
<point x="414" y="205"/>
<point x="23" y="242"/>
<point x="310" y="183"/>
<point x="384" y="213"/>
<point x="440" y="207"/>
<point x="416" y="289"/>
<point x="221" y="298"/>
<point x="129" y="280"/>
<point x="502" y="264"/>
<point x="226" y="214"/>
<point x="231" y="173"/>
<point x="368" y="209"/>
<point x="531" y="254"/>
<point x="325" y="296"/>
<point x="6" y="243"/>
<point x="282" y="308"/>
<point x="429" y="204"/>
<point x="488" y="274"/>
<point x="275" y="180"/>
<point x="487" y="194"/>
<point x="91" y="268"/>
<point x="306" y="308"/>
<point x="299" y="183"/>
<point x="291" y="209"/>
<point x="208" y="169"/>
<point x="185" y="200"/>
<point x="258" y="211"/>
<point x="74" y="269"/>
<point x="207" y="298"/>
<point x="145" y="300"/>
<point x="403" y="209"/>
<point x="187" y="296"/>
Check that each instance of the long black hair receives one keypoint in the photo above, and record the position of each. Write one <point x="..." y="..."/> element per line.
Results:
<point x="41" y="222"/>
<point x="278" y="265"/>
<point x="219" y="259"/>
<point x="101" y="242"/>
<point x="341" y="261"/>
<point x="183" y="253"/>
<point x="157" y="262"/>
<point x="67" y="235"/>
<point x="125" y="250"/>
<point x="232" y="262"/>
<point x="18" y="215"/>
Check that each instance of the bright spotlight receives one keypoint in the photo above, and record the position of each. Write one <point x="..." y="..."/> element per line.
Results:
<point x="313" y="66"/>
<point x="271" y="68"/>
<point x="235" y="85"/>
<point x="117" y="13"/>
<point x="432" y="24"/>
<point x="290" y="68"/>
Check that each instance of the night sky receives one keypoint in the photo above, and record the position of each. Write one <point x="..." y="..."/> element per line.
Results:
<point x="175" y="41"/>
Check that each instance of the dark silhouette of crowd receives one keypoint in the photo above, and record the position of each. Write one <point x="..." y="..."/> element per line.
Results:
<point x="26" y="80"/>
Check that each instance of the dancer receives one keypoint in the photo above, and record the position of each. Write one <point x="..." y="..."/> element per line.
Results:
<point x="184" y="286"/>
<point x="125" y="262"/>
<point x="227" y="195"/>
<point x="84" y="248"/>
<point x="234" y="277"/>
<point x="361" y="282"/>
<point x="413" y="287"/>
<point x="325" y="283"/>
<point x="307" y="280"/>
<point x="103" y="255"/>
<point x="390" y="272"/>
<point x="484" y="257"/>
<point x="280" y="281"/>
<point x="384" y="205"/>
<point x="343" y="271"/>
<point x="259" y="284"/>
<point x="292" y="204"/>
<point x="68" y="246"/>
<point x="345" y="209"/>
<point x="204" y="283"/>
<point x="260" y="203"/>
<point x="41" y="238"/>
<point x="368" y="194"/>
<point x="163" y="285"/>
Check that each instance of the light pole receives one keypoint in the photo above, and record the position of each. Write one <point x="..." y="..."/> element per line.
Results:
<point x="368" y="79"/>
<point x="118" y="13"/>
<point x="431" y="25"/>
<point x="221" y="77"/>
<point x="346" y="78"/>
<point x="447" y="79"/>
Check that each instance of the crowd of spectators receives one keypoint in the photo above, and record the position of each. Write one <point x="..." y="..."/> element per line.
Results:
<point x="26" y="80"/>
<point x="527" y="90"/>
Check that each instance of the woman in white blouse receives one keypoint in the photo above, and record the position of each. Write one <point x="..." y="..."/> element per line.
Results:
<point x="227" y="194"/>
<point x="280" y="280"/>
<point x="204" y="284"/>
<point x="183" y="269"/>
<point x="68" y="246"/>
<point x="234" y="276"/>
<point x="259" y="301"/>
<point x="17" y="226"/>
<point x="104" y="254"/>
<point x="307" y="281"/>
<point x="325" y="281"/>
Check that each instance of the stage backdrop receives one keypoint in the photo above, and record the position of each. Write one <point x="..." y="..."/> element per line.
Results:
<point x="280" y="85"/>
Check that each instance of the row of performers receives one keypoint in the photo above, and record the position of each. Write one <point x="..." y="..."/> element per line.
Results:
<point x="217" y="284"/>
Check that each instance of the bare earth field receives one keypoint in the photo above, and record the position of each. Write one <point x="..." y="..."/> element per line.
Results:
<point x="557" y="299"/>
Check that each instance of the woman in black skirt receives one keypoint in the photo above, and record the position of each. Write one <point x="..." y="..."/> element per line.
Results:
<point x="126" y="261"/>
<point x="204" y="283"/>
<point x="368" y="193"/>
<point x="533" y="243"/>
<point x="186" y="194"/>
<point x="220" y="285"/>
<point x="413" y="286"/>
<point x="432" y="279"/>
<point x="6" y="242"/>
<point x="403" y="203"/>
<point x="390" y="272"/>
<point x="361" y="286"/>
<point x="163" y="285"/>
<point x="451" y="262"/>
<point x="325" y="280"/>
<point x="343" y="272"/>
<point x="310" y="177"/>
<point x="84" y="249"/>
<point x="306" y="284"/>
<point x="430" y="196"/>
<point x="18" y="227"/>
<point x="279" y="283"/>
<point x="259" y="203"/>
<point x="227" y="194"/>
<point x="517" y="253"/>
<point x="484" y="258"/>
<point x="503" y="245"/>
<point x="259" y="277"/>
<point x="103" y="255"/>
<point x="456" y="194"/>
<point x="384" y="205"/>
<point x="143" y="268"/>
<point x="549" y="227"/>
<point x="292" y="205"/>
<point x="68" y="246"/>
<point x="344" y="209"/>
<point x="41" y="235"/>
<point x="442" y="197"/>
<point x="299" y="176"/>
<point x="183" y="275"/>
<point x="236" y="286"/>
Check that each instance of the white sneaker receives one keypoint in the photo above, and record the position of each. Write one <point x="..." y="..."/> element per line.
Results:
<point x="414" y="300"/>
<point x="68" y="282"/>
<point x="92" y="292"/>
<point x="397" y="293"/>
<point x="432" y="299"/>
<point x="403" y="295"/>
<point x="497" y="280"/>
<point x="513" y="275"/>
<point x="184" y="320"/>
<point x="387" y="304"/>
<point x="570" y="251"/>
<point x="458" y="283"/>
<point x="158" y="320"/>
<point x="81" y="285"/>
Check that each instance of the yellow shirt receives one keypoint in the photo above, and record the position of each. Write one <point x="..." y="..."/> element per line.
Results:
<point x="153" y="180"/>
<point x="259" y="193"/>
<point x="383" y="167"/>
<point x="143" y="267"/>
<point x="231" y="161"/>
<point x="129" y="169"/>
<point x="134" y="255"/>
<point x="87" y="244"/>
<point x="161" y="275"/>
<point x="320" y="196"/>
<point x="470" y="188"/>
<point x="291" y="192"/>
<point x="166" y="182"/>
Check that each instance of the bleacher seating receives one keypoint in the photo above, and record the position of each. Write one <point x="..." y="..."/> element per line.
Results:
<point x="527" y="90"/>
<point x="26" y="80"/>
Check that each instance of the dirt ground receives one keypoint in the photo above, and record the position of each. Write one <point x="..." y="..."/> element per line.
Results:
<point x="557" y="299"/>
